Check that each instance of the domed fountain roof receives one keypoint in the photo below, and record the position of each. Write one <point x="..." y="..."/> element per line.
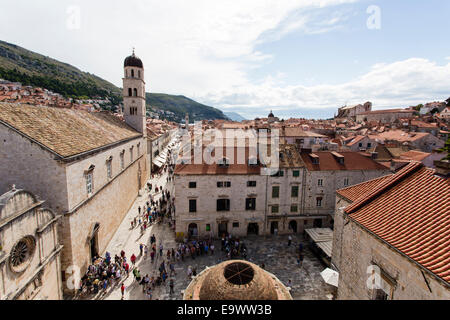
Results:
<point x="236" y="280"/>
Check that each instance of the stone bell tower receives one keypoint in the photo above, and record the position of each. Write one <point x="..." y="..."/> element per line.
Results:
<point x="134" y="94"/>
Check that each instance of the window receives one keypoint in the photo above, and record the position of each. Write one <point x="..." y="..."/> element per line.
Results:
<point x="122" y="160"/>
<point x="139" y="74"/>
<point x="251" y="183"/>
<point x="192" y="205"/>
<point x="275" y="191"/>
<point x="131" y="154"/>
<point x="235" y="224"/>
<point x="192" y="185"/>
<point x="223" y="184"/>
<point x="275" y="209"/>
<point x="90" y="182"/>
<point x="294" y="192"/>
<point x="320" y="182"/>
<point x="109" y="168"/>
<point x="250" y="204"/>
<point x="360" y="145"/>
<point x="135" y="92"/>
<point x="294" y="208"/>
<point x="132" y="73"/>
<point x="346" y="182"/>
<point x="138" y="149"/>
<point x="296" y="173"/>
<point x="318" y="202"/>
<point x="223" y="204"/>
<point x="369" y="145"/>
<point x="130" y="92"/>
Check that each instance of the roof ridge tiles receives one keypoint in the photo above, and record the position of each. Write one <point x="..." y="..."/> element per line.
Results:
<point x="385" y="185"/>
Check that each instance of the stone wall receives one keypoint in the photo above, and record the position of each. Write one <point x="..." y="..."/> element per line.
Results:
<point x="108" y="208"/>
<point x="207" y="194"/>
<point x="30" y="166"/>
<point x="360" y="250"/>
<point x="39" y="277"/>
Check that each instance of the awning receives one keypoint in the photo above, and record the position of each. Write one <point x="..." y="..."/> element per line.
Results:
<point x="323" y="238"/>
<point x="320" y="234"/>
<point x="326" y="247"/>
<point x="157" y="162"/>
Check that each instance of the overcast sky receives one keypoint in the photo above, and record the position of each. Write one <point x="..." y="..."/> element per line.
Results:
<point x="301" y="58"/>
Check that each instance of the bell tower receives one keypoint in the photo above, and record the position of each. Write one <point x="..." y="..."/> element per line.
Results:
<point x="134" y="94"/>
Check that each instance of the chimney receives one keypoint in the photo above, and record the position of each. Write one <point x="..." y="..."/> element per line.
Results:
<point x="442" y="167"/>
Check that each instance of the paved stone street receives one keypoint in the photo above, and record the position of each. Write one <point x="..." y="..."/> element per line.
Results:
<point x="273" y="251"/>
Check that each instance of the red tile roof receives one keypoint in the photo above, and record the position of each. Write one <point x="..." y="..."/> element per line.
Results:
<point x="358" y="190"/>
<point x="410" y="211"/>
<point x="352" y="161"/>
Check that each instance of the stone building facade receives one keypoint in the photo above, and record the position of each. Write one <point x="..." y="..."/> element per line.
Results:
<point x="401" y="251"/>
<point x="89" y="167"/>
<point x="30" y="265"/>
<point x="283" y="203"/>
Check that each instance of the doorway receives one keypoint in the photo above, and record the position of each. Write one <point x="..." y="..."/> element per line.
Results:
<point x="293" y="226"/>
<point x="192" y="230"/>
<point x="93" y="243"/>
<point x="223" y="229"/>
<point x="273" y="227"/>
<point x="253" y="229"/>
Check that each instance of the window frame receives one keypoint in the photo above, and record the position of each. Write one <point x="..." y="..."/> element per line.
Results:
<point x="252" y="201"/>
<point x="227" y="206"/>
<point x="192" y="209"/>
<point x="277" y="196"/>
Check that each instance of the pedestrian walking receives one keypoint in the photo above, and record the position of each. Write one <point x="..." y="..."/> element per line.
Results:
<point x="171" y="285"/>
<point x="289" y="241"/>
<point x="122" y="289"/>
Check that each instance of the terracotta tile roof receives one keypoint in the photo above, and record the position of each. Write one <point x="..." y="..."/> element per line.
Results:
<point x="399" y="135"/>
<point x="355" y="140"/>
<point x="410" y="211"/>
<point x="66" y="132"/>
<point x="358" y="190"/>
<point x="234" y="168"/>
<point x="414" y="155"/>
<point x="387" y="111"/>
<point x="352" y="161"/>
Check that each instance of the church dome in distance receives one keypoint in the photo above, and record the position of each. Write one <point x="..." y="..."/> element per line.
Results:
<point x="236" y="280"/>
<point x="133" y="61"/>
<point x="271" y="115"/>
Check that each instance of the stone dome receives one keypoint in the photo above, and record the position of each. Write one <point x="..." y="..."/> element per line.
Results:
<point x="271" y="115"/>
<point x="236" y="280"/>
<point x="133" y="61"/>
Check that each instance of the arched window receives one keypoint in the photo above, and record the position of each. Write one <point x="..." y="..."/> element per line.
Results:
<point x="139" y="74"/>
<point x="129" y="92"/>
<point x="126" y="73"/>
<point x="135" y="92"/>
<point x="132" y="73"/>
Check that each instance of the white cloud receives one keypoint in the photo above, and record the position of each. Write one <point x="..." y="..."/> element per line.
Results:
<point x="398" y="84"/>
<point x="188" y="47"/>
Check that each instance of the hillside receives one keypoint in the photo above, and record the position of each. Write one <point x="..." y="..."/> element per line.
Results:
<point x="180" y="105"/>
<point x="29" y="68"/>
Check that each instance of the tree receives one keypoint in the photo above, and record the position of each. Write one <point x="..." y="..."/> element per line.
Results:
<point x="448" y="102"/>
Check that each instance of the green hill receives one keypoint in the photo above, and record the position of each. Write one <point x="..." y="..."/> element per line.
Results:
<point x="29" y="68"/>
<point x="180" y="106"/>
